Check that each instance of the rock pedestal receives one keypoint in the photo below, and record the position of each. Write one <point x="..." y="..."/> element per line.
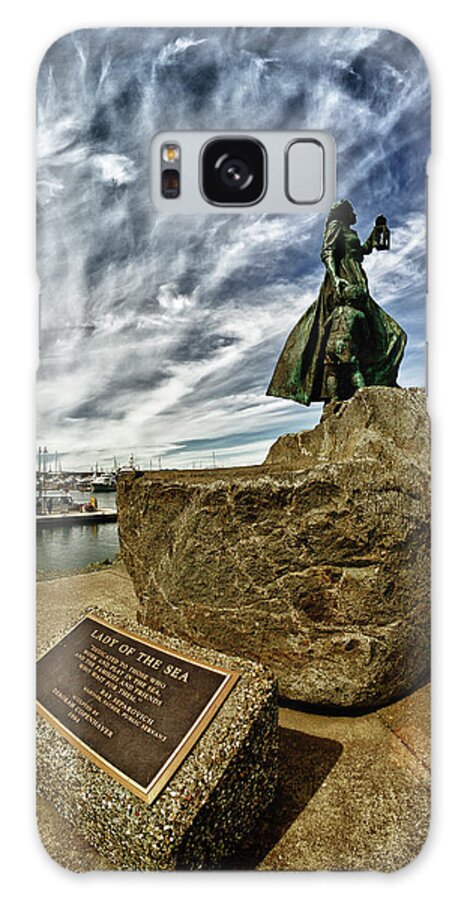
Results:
<point x="315" y="563"/>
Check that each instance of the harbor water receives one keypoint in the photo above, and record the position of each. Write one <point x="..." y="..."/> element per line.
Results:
<point x="69" y="547"/>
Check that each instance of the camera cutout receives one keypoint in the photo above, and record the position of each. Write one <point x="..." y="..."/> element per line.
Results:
<point x="233" y="171"/>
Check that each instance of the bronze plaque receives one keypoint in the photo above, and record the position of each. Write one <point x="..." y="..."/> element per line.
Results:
<point x="133" y="707"/>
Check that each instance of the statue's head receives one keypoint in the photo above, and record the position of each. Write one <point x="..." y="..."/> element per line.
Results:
<point x="342" y="211"/>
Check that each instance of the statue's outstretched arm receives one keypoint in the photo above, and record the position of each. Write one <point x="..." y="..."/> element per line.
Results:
<point x="369" y="243"/>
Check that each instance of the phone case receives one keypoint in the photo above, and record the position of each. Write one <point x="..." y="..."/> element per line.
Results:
<point x="233" y="463"/>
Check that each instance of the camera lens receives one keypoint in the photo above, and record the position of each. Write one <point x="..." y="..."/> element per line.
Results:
<point x="233" y="171"/>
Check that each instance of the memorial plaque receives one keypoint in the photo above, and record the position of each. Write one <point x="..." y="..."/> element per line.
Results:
<point x="131" y="706"/>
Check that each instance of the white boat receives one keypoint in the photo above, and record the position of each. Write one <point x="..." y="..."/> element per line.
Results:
<point x="84" y="484"/>
<point x="104" y="482"/>
<point x="129" y="467"/>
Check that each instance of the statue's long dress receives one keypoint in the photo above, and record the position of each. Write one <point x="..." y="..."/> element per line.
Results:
<point x="299" y="373"/>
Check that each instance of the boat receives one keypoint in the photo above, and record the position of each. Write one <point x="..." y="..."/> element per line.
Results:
<point x="129" y="467"/>
<point x="60" y="508"/>
<point x="84" y="484"/>
<point x="104" y="482"/>
<point x="76" y="517"/>
<point x="48" y="502"/>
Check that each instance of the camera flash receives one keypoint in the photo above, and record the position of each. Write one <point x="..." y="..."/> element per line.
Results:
<point x="170" y="153"/>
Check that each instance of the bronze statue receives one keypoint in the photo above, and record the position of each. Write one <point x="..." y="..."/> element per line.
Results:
<point x="344" y="340"/>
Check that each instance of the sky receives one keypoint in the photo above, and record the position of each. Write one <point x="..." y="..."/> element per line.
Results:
<point x="159" y="334"/>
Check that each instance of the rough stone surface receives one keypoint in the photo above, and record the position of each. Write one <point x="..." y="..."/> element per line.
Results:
<point x="208" y="806"/>
<point x="353" y="791"/>
<point x="315" y="563"/>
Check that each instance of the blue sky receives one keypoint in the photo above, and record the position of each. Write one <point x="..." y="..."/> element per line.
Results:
<point x="160" y="335"/>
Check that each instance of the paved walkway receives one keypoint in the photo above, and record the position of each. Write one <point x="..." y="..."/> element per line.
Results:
<point x="353" y="793"/>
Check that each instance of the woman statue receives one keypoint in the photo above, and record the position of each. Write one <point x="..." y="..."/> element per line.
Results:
<point x="344" y="340"/>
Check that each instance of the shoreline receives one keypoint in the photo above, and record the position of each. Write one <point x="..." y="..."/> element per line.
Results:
<point x="53" y="574"/>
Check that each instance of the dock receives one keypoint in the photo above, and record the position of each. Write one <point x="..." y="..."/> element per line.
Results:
<point x="75" y="517"/>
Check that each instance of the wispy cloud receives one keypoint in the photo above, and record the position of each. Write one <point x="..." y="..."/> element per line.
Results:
<point x="160" y="334"/>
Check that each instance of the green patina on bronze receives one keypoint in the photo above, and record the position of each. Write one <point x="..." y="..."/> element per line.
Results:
<point x="345" y="340"/>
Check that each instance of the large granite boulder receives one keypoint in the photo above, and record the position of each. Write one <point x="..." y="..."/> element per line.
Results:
<point x="315" y="563"/>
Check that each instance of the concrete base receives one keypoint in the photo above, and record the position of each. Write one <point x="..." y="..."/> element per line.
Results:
<point x="353" y="792"/>
<point x="211" y="802"/>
